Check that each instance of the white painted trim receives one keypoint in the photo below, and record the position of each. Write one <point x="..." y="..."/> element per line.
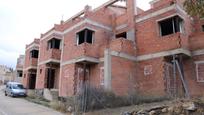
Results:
<point x="198" y="52"/>
<point x="197" y="76"/>
<point x="49" y="60"/>
<point x="91" y="22"/>
<point x="83" y="58"/>
<point x="33" y="45"/>
<point x="50" y="33"/>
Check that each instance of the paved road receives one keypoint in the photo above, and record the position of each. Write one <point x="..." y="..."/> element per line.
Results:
<point x="19" y="106"/>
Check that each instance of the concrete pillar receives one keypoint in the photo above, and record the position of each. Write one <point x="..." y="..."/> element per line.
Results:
<point x="107" y="70"/>
<point x="131" y="12"/>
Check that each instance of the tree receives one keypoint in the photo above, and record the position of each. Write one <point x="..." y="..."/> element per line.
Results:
<point x="194" y="7"/>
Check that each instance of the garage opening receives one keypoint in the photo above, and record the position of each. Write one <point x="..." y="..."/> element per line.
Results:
<point x="171" y="26"/>
<point x="85" y="36"/>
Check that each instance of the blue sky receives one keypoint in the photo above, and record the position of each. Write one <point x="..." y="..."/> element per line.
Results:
<point x="23" y="20"/>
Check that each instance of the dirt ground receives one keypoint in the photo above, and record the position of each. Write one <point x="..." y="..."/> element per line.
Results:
<point x="174" y="107"/>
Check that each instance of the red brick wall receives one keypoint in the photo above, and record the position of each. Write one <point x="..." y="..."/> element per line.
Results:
<point x="25" y="78"/>
<point x="152" y="84"/>
<point x="148" y="37"/>
<point x="71" y="50"/>
<point x="66" y="87"/>
<point x="40" y="80"/>
<point x="196" y="88"/>
<point x="123" y="75"/>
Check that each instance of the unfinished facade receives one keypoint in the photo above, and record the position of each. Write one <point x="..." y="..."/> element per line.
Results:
<point x="122" y="49"/>
<point x="19" y="69"/>
<point x="30" y="65"/>
<point x="49" y="59"/>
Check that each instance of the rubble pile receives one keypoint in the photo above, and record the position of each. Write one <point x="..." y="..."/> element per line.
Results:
<point x="178" y="107"/>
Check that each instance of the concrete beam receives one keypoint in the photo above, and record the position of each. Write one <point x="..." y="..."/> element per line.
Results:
<point x="51" y="33"/>
<point x="30" y="67"/>
<point x="150" y="56"/>
<point x="163" y="53"/>
<point x="33" y="46"/>
<point x="91" y="22"/>
<point x="81" y="59"/>
<point x="49" y="60"/>
<point x="198" y="52"/>
<point x="156" y="13"/>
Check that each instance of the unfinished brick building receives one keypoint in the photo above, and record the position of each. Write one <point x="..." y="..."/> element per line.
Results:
<point x="121" y="48"/>
<point x="19" y="69"/>
<point x="30" y="64"/>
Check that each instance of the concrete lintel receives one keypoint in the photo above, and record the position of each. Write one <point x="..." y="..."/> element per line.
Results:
<point x="30" y="67"/>
<point x="164" y="53"/>
<point x="198" y="52"/>
<point x="156" y="13"/>
<point x="50" y="33"/>
<point x="32" y="46"/>
<point x="121" y="26"/>
<point x="89" y="21"/>
<point x="152" y="55"/>
<point x="80" y="59"/>
<point x="123" y="55"/>
<point x="49" y="60"/>
<point x="199" y="62"/>
<point x="19" y="69"/>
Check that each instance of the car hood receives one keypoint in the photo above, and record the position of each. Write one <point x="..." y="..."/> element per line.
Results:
<point x="19" y="90"/>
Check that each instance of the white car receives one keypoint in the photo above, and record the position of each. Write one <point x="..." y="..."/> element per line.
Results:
<point x="14" y="89"/>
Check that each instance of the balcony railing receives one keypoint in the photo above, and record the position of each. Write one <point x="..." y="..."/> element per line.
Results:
<point x="54" y="54"/>
<point x="33" y="62"/>
<point x="86" y="49"/>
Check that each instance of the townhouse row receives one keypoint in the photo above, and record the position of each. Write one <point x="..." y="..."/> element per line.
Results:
<point x="121" y="48"/>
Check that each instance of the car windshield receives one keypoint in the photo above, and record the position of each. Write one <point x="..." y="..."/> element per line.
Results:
<point x="17" y="86"/>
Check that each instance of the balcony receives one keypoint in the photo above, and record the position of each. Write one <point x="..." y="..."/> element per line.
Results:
<point x="123" y="45"/>
<point x="54" y="54"/>
<point x="174" y="41"/>
<point x="33" y="62"/>
<point x="87" y="52"/>
<point x="173" y="44"/>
